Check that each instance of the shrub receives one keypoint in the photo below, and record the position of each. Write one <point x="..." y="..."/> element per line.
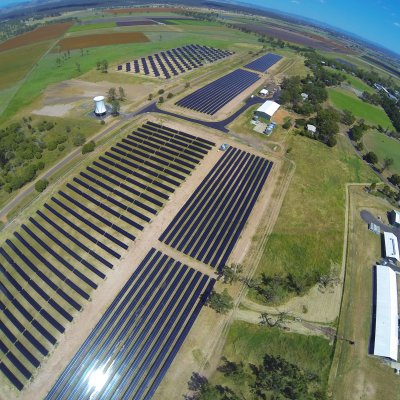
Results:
<point x="161" y="91"/>
<point x="41" y="185"/>
<point x="170" y="95"/>
<point x="88" y="147"/>
<point x="78" y="140"/>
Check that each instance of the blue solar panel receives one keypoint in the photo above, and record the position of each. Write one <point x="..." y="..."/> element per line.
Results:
<point x="263" y="63"/>
<point x="212" y="97"/>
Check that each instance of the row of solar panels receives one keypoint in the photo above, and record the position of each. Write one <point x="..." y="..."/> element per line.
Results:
<point x="175" y="61"/>
<point x="210" y="223"/>
<point x="263" y="63"/>
<point x="61" y="255"/>
<point x="212" y="97"/>
<point x="134" y="343"/>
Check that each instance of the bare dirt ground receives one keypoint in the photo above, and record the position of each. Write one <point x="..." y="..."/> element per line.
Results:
<point x="207" y="333"/>
<point x="76" y="94"/>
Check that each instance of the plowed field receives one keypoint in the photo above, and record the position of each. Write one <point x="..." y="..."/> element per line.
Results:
<point x="41" y="34"/>
<point x="83" y="42"/>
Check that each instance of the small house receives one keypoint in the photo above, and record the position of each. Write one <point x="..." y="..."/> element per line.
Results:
<point x="394" y="217"/>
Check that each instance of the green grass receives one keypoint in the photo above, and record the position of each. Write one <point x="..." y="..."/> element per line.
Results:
<point x="342" y="100"/>
<point x="248" y="343"/>
<point x="354" y="81"/>
<point x="384" y="147"/>
<point x="312" y="214"/>
<point x="47" y="72"/>
<point x="90" y="27"/>
<point x="193" y="22"/>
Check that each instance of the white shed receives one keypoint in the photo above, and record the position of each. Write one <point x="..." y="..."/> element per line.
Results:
<point x="312" y="129"/>
<point x="268" y="109"/>
<point x="395" y="218"/>
<point x="391" y="246"/>
<point x="386" y="310"/>
<point x="264" y="92"/>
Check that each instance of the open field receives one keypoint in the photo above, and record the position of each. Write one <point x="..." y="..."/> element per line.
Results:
<point x="106" y="39"/>
<point x="384" y="147"/>
<point x="191" y="22"/>
<point x="355" y="82"/>
<point x="312" y="214"/>
<point x="90" y="27"/>
<point x="139" y="10"/>
<point x="16" y="63"/>
<point x="344" y="100"/>
<point x="41" y="34"/>
<point x="353" y="370"/>
<point x="248" y="343"/>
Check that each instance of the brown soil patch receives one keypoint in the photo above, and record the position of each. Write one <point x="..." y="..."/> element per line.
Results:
<point x="38" y="35"/>
<point x="142" y="10"/>
<point x="106" y="39"/>
<point x="280" y="115"/>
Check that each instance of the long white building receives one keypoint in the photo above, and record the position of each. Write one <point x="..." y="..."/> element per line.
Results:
<point x="391" y="246"/>
<point x="386" y="314"/>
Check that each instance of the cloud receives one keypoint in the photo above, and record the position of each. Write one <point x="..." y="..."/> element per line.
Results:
<point x="396" y="24"/>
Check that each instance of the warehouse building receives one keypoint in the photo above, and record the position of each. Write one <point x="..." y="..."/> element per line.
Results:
<point x="385" y="314"/>
<point x="391" y="246"/>
<point x="267" y="110"/>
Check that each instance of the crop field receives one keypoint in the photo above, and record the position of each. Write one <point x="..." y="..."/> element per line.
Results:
<point x="210" y="223"/>
<point x="79" y="234"/>
<point x="103" y="39"/>
<point x="152" y="316"/>
<point x="167" y="63"/>
<point x="41" y="34"/>
<point x="16" y="63"/>
<point x="90" y="27"/>
<point x="384" y="147"/>
<point x="347" y="101"/>
<point x="214" y="96"/>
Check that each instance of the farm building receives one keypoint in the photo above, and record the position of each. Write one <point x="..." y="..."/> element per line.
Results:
<point x="385" y="313"/>
<point x="395" y="218"/>
<point x="391" y="246"/>
<point x="311" y="129"/>
<point x="267" y="110"/>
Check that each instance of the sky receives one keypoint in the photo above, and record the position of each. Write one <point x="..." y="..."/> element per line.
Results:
<point x="375" y="20"/>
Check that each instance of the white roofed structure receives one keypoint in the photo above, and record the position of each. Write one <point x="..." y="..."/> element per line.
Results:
<point x="391" y="246"/>
<point x="386" y="314"/>
<point x="264" y="92"/>
<point x="395" y="217"/>
<point x="268" y="109"/>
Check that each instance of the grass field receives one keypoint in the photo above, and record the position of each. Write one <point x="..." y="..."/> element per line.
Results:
<point x="384" y="147"/>
<point x="344" y="100"/>
<point x="91" y="27"/>
<point x="312" y="214"/>
<point x="47" y="71"/>
<point x="354" y="81"/>
<point x="193" y="22"/>
<point x="358" y="373"/>
<point x="16" y="63"/>
<point x="248" y="343"/>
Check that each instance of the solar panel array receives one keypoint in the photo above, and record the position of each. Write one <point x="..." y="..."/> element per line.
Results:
<point x="210" y="223"/>
<point x="263" y="63"/>
<point x="50" y="267"/>
<point x="137" y="338"/>
<point x="212" y="97"/>
<point x="166" y="64"/>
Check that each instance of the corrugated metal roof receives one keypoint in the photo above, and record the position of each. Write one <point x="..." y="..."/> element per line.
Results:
<point x="269" y="108"/>
<point x="386" y="324"/>
<point x="391" y="246"/>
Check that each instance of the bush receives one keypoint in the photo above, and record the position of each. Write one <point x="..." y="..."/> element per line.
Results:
<point x="170" y="95"/>
<point x="78" y="140"/>
<point x="287" y="124"/>
<point x="371" y="157"/>
<point x="161" y="99"/>
<point x="88" y="147"/>
<point x="61" y="147"/>
<point x="161" y="91"/>
<point x="41" y="185"/>
<point x="102" y="122"/>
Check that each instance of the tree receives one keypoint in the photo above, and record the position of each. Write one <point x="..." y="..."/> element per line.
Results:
<point x="230" y="274"/>
<point x="111" y="95"/>
<point x="387" y="162"/>
<point x="220" y="302"/>
<point x="161" y="91"/>
<point x="169" y="95"/>
<point x="395" y="179"/>
<point x="348" y="117"/>
<point x="150" y="97"/>
<point x="41" y="185"/>
<point x="122" y="95"/>
<point x="115" y="108"/>
<point x="88" y="147"/>
<point x="161" y="99"/>
<point x="104" y="66"/>
<point x="360" y="146"/>
<point x="371" y="158"/>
